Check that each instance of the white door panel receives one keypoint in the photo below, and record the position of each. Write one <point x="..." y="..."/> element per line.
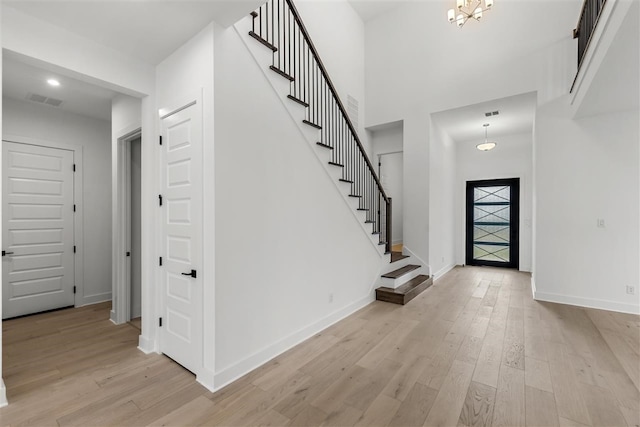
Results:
<point x="37" y="229"/>
<point x="182" y="241"/>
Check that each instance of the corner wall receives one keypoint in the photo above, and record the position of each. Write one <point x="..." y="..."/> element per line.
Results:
<point x="442" y="190"/>
<point x="23" y="119"/>
<point x="588" y="169"/>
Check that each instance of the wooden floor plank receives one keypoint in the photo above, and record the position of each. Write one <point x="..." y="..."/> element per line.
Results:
<point x="474" y="349"/>
<point x="478" y="405"/>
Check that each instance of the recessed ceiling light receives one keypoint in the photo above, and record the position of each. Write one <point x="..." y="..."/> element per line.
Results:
<point x="53" y="82"/>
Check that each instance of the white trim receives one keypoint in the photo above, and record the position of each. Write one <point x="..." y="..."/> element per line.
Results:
<point x="533" y="287"/>
<point x="585" y="302"/>
<point x="146" y="346"/>
<point x="78" y="200"/>
<point x="95" y="299"/>
<point x="121" y="286"/>
<point x="237" y="370"/>
<point x="3" y="394"/>
<point x="444" y="270"/>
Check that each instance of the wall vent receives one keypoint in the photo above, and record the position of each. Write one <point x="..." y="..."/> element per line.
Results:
<point x="353" y="110"/>
<point x="41" y="99"/>
<point x="491" y="113"/>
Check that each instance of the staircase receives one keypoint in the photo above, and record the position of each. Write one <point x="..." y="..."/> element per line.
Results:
<point x="277" y="26"/>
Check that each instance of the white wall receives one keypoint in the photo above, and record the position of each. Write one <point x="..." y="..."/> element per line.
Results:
<point x="24" y="119"/>
<point x="386" y="141"/>
<point x="290" y="256"/>
<point x="588" y="169"/>
<point x="442" y="190"/>
<point x="512" y="158"/>
<point x="185" y="75"/>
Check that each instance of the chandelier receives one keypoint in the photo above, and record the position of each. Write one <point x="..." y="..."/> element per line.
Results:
<point x="468" y="9"/>
<point x="486" y="145"/>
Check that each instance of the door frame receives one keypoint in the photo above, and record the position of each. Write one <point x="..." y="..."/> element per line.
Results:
<point x="78" y="217"/>
<point x="514" y="218"/>
<point x="121" y="302"/>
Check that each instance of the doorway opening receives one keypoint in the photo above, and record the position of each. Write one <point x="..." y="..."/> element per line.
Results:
<point x="128" y="253"/>
<point x="492" y="217"/>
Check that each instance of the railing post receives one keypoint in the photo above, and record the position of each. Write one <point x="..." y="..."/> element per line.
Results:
<point x="388" y="246"/>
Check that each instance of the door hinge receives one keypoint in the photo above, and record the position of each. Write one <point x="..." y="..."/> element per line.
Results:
<point x="74" y="289"/>
<point x="160" y="322"/>
<point x="160" y="261"/>
<point x="74" y="208"/>
<point x="160" y="139"/>
<point x="74" y="167"/>
<point x="128" y="253"/>
<point x="160" y="199"/>
<point x="74" y="249"/>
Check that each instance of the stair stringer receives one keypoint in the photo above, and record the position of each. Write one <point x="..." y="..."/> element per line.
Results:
<point x="297" y="112"/>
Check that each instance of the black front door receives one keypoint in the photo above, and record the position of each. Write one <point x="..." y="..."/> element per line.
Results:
<point x="492" y="222"/>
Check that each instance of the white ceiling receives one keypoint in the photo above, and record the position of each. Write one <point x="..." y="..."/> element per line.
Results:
<point x="466" y="123"/>
<point x="369" y="9"/>
<point x="20" y="79"/>
<point x="149" y="30"/>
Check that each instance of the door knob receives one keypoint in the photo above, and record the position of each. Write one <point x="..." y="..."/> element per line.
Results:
<point x="192" y="273"/>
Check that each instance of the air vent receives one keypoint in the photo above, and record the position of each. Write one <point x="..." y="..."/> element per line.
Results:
<point x="352" y="110"/>
<point x="41" y="99"/>
<point x="491" y="113"/>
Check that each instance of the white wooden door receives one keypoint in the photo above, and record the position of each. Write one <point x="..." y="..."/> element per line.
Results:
<point x="37" y="229"/>
<point x="181" y="331"/>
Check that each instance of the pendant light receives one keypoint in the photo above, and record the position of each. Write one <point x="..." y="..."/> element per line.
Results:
<point x="486" y="145"/>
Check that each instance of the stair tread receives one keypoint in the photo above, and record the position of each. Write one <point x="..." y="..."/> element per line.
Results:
<point x="397" y="256"/>
<point x="314" y="125"/>
<point x="298" y="100"/>
<point x="406" y="287"/>
<point x="401" y="271"/>
<point x="263" y="41"/>
<point x="281" y="73"/>
<point x="322" y="144"/>
<point x="346" y="180"/>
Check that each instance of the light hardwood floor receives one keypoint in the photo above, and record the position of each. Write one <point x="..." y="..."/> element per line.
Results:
<point x="474" y="349"/>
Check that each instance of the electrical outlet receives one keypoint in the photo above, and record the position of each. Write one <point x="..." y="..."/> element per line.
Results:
<point x="600" y="223"/>
<point x="330" y="297"/>
<point x="631" y="290"/>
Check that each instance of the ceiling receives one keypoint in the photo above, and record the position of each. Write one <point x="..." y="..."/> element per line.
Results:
<point x="466" y="123"/>
<point x="370" y="9"/>
<point x="149" y="30"/>
<point x="19" y="80"/>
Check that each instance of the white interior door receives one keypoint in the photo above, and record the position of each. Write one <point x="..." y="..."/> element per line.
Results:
<point x="37" y="229"/>
<point x="181" y="331"/>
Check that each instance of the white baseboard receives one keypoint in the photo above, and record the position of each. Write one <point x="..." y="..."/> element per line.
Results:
<point x="585" y="302"/>
<point x="533" y="287"/>
<point x="3" y="394"/>
<point x="206" y="378"/>
<point x="112" y="317"/>
<point x="145" y="345"/>
<point x="95" y="299"/>
<point x="233" y="372"/>
<point x="444" y="270"/>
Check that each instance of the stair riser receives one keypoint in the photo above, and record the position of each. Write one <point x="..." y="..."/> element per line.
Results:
<point x="395" y="283"/>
